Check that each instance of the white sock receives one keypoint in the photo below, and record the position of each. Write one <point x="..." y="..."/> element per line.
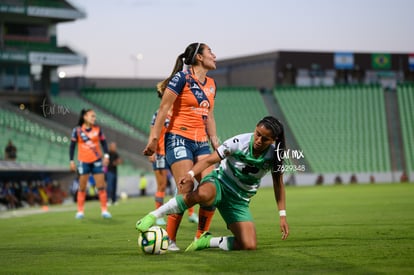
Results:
<point x="170" y="207"/>
<point x="219" y="242"/>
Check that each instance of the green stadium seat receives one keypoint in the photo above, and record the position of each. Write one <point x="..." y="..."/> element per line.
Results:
<point x="76" y="104"/>
<point x="136" y="106"/>
<point x="340" y="129"/>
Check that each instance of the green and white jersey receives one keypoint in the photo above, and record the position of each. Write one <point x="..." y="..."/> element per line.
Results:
<point x="239" y="170"/>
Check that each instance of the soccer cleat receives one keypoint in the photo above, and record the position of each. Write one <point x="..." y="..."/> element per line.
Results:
<point x="79" y="215"/>
<point x="172" y="246"/>
<point x="202" y="242"/>
<point x="160" y="221"/>
<point x="106" y="215"/>
<point x="193" y="218"/>
<point x="145" y="223"/>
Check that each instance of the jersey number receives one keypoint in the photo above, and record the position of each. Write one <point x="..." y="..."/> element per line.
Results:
<point x="250" y="170"/>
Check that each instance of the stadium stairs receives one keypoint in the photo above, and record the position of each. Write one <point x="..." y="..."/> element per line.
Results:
<point x="394" y="131"/>
<point x="405" y="94"/>
<point x="274" y="109"/>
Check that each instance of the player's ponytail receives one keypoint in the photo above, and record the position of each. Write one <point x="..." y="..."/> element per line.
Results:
<point x="81" y="117"/>
<point x="188" y="57"/>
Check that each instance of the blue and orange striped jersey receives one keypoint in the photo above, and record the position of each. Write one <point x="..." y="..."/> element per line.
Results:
<point x="88" y="140"/>
<point x="193" y="103"/>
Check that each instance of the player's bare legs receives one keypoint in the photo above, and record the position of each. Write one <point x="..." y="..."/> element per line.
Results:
<point x="81" y="196"/>
<point x="203" y="195"/>
<point x="161" y="179"/>
<point x="179" y="169"/>
<point x="244" y="235"/>
<point x="205" y="212"/>
<point x="103" y="197"/>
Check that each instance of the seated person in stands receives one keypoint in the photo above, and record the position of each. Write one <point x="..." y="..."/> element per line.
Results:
<point x="8" y="196"/>
<point x="31" y="194"/>
<point x="10" y="152"/>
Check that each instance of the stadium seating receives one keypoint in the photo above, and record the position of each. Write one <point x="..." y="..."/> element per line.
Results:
<point x="339" y="129"/>
<point x="406" y="102"/>
<point x="37" y="144"/>
<point x="76" y="104"/>
<point x="135" y="105"/>
<point x="237" y="110"/>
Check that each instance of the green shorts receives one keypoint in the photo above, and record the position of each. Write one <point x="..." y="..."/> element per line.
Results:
<point x="231" y="207"/>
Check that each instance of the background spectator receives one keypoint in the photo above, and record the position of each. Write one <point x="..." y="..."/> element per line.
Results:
<point x="404" y="177"/>
<point x="353" y="179"/>
<point x="319" y="180"/>
<point x="10" y="152"/>
<point x="112" y="172"/>
<point x="31" y="194"/>
<point x="338" y="179"/>
<point x="8" y="196"/>
<point x="143" y="185"/>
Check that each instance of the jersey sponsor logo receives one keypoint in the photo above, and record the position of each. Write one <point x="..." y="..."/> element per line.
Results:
<point x="205" y="104"/>
<point x="174" y="81"/>
<point x="209" y="90"/>
<point x="180" y="152"/>
<point x="195" y="86"/>
<point x="198" y="94"/>
<point x="250" y="169"/>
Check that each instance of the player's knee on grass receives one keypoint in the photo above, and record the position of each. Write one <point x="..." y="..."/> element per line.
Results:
<point x="249" y="244"/>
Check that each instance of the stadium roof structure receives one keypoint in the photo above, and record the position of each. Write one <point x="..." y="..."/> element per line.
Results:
<point x="54" y="10"/>
<point x="29" y="50"/>
<point x="37" y="49"/>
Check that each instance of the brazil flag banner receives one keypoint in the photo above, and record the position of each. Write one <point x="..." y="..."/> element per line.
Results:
<point x="381" y="61"/>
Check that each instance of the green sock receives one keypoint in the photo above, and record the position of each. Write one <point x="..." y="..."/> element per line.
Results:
<point x="180" y="202"/>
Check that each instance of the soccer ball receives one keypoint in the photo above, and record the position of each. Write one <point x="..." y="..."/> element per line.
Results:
<point x="153" y="241"/>
<point x="124" y="196"/>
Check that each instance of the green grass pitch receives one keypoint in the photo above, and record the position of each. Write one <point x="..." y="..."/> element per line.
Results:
<point x="349" y="229"/>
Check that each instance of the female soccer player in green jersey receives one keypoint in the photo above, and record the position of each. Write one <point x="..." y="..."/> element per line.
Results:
<point x="244" y="160"/>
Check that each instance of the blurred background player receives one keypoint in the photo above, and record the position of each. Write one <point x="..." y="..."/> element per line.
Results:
<point x="112" y="172"/>
<point x="89" y="137"/>
<point x="244" y="160"/>
<point x="160" y="166"/>
<point x="143" y="182"/>
<point x="161" y="169"/>
<point x="191" y="96"/>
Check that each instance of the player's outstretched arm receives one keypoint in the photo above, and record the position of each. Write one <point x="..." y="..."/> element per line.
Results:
<point x="166" y="102"/>
<point x="199" y="167"/>
<point x="280" y="196"/>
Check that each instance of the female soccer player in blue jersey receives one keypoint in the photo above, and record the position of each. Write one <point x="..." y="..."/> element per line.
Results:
<point x="191" y="95"/>
<point x="245" y="159"/>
